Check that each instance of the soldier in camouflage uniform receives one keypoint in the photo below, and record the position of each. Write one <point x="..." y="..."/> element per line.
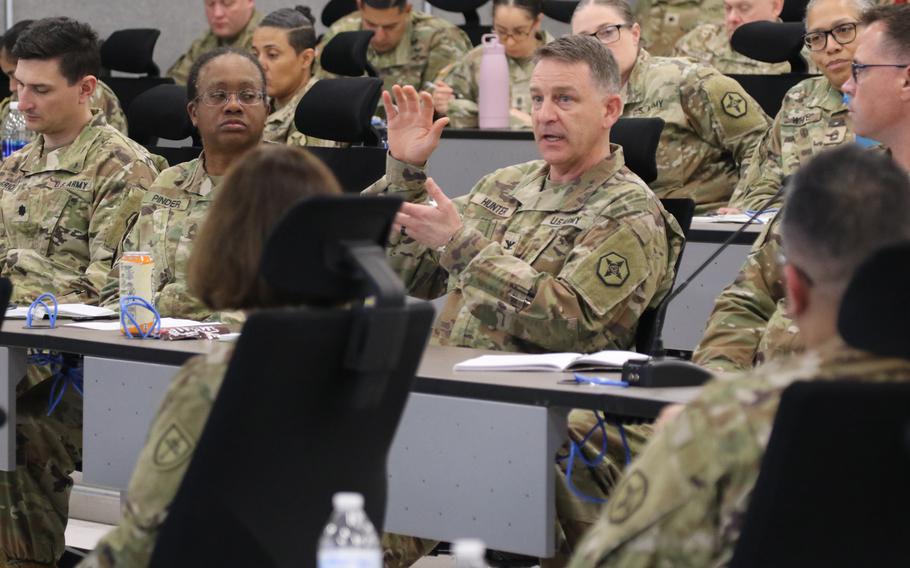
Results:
<point x="284" y="42"/>
<point x="179" y="199"/>
<point x="664" y="22"/>
<point x="456" y="92"/>
<point x="710" y="44"/>
<point x="284" y="176"/>
<point x="64" y="202"/>
<point x="103" y="98"/>
<point x="683" y="501"/>
<point x="813" y="116"/>
<point x="711" y="124"/>
<point x="408" y="48"/>
<point x="231" y="24"/>
<point x="538" y="257"/>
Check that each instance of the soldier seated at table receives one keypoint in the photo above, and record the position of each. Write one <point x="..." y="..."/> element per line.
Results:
<point x="559" y="254"/>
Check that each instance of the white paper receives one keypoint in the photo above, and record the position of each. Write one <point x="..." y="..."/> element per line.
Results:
<point x="65" y="311"/>
<point x="613" y="359"/>
<point x="737" y="218"/>
<point x="115" y="325"/>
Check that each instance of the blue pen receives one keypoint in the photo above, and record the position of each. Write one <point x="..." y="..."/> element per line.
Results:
<point x="579" y="378"/>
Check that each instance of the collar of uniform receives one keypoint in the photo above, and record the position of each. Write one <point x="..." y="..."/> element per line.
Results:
<point x="569" y="196"/>
<point x="837" y="360"/>
<point x="197" y="181"/>
<point x="69" y="158"/>
<point x="401" y="55"/>
<point x="831" y="100"/>
<point x="633" y="91"/>
<point x="245" y="33"/>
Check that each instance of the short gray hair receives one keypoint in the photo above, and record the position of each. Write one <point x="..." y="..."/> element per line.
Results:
<point x="860" y="5"/>
<point x="584" y="49"/>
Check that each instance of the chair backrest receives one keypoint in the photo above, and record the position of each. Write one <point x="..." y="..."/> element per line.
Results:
<point x="346" y="54"/>
<point x="356" y="167"/>
<point x="290" y="427"/>
<point x="160" y="112"/>
<point x="794" y="10"/>
<point x="772" y="42"/>
<point x="340" y="109"/>
<point x="131" y="51"/>
<point x="833" y="488"/>
<point x="769" y="90"/>
<point x="468" y="8"/>
<point x="560" y="10"/>
<point x="174" y="155"/>
<point x="334" y="10"/>
<point x="648" y="327"/>
<point x="639" y="138"/>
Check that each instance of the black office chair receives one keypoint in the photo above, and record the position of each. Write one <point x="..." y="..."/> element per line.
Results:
<point x="335" y="10"/>
<point x="833" y="488"/>
<point x="794" y="10"/>
<point x="649" y="325"/>
<point x="560" y="10"/>
<point x="639" y="138"/>
<point x="6" y="291"/>
<point x="346" y="54"/>
<point x="130" y="51"/>
<point x="468" y="8"/>
<point x="311" y="400"/>
<point x="161" y="112"/>
<point x="341" y="109"/>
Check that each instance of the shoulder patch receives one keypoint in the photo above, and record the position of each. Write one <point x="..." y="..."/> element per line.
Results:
<point x="173" y="448"/>
<point x="734" y="104"/>
<point x="613" y="269"/>
<point x="629" y="498"/>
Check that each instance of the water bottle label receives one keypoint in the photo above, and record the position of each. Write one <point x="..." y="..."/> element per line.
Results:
<point x="349" y="558"/>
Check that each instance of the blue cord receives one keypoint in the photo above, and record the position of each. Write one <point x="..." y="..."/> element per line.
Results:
<point x="42" y="302"/>
<point x="127" y="319"/>
<point x="63" y="377"/>
<point x="575" y="451"/>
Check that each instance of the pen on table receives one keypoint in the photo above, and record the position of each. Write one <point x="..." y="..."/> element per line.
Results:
<point x="600" y="382"/>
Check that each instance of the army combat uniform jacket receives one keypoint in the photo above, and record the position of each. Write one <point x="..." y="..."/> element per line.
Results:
<point x="683" y="501"/>
<point x="664" y="22"/>
<point x="749" y="324"/>
<point x="542" y="266"/>
<point x="711" y="127"/>
<point x="709" y="44"/>
<point x="812" y="118"/>
<point x="180" y="70"/>
<point x="428" y="44"/>
<point x="280" y="128"/>
<point x="464" y="78"/>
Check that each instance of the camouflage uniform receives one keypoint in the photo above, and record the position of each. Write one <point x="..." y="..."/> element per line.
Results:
<point x="663" y="22"/>
<point x="280" y="128"/>
<point x="63" y="213"/>
<point x="712" y="126"/>
<point x="709" y="44"/>
<point x="749" y="324"/>
<point x="428" y="45"/>
<point x="166" y="225"/>
<point x="180" y="70"/>
<point x="684" y="499"/>
<point x="464" y="76"/>
<point x="103" y="99"/>
<point x="812" y="118"/>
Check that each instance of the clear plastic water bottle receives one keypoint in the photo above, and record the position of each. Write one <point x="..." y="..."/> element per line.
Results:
<point x="349" y="540"/>
<point x="13" y="131"/>
<point x="469" y="553"/>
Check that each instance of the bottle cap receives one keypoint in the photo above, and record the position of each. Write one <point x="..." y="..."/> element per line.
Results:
<point x="347" y="501"/>
<point x="469" y="549"/>
<point x="14" y="105"/>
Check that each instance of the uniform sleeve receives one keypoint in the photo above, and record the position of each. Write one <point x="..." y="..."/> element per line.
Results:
<point x="462" y="110"/>
<point x="113" y="111"/>
<point x="764" y="176"/>
<point x="447" y="45"/>
<point x="724" y="115"/>
<point x="160" y="468"/>
<point x="180" y="70"/>
<point x="742" y="311"/>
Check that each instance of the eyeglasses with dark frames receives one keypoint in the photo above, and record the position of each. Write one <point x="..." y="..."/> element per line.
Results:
<point x="842" y="34"/>
<point x="609" y="33"/>
<point x="857" y="69"/>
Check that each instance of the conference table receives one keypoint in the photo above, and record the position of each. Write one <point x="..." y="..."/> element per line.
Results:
<point x="473" y="455"/>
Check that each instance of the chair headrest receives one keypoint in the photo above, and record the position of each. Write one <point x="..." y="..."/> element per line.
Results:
<point x="794" y="10"/>
<point x="131" y="51"/>
<point x="160" y="112"/>
<point x="874" y="312"/>
<point x="308" y="257"/>
<point x="639" y="138"/>
<point x="771" y="42"/>
<point x="346" y="54"/>
<point x="560" y="10"/>
<point x="335" y="10"/>
<point x="458" y="5"/>
<point x="340" y="109"/>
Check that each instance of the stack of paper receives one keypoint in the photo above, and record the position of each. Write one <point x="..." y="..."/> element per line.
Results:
<point x="609" y="360"/>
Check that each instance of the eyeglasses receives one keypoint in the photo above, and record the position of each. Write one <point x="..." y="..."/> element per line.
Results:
<point x="856" y="69"/>
<point x="842" y="34"/>
<point x="609" y="33"/>
<point x="516" y="34"/>
<point x="246" y="97"/>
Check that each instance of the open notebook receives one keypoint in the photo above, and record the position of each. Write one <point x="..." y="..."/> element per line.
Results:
<point x="71" y="311"/>
<point x="550" y="361"/>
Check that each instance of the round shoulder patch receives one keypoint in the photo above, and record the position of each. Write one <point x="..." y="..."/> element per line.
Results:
<point x="613" y="269"/>
<point x="734" y="104"/>
<point x="629" y="498"/>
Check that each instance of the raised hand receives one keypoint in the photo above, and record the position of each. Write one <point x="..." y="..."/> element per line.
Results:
<point x="412" y="133"/>
<point x="429" y="225"/>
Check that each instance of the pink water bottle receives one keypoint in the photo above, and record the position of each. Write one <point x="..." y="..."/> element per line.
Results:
<point x="493" y="103"/>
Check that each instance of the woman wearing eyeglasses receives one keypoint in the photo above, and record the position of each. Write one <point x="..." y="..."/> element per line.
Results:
<point x="813" y="116"/>
<point x="285" y="42"/>
<point x="517" y="23"/>
<point x="711" y="124"/>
